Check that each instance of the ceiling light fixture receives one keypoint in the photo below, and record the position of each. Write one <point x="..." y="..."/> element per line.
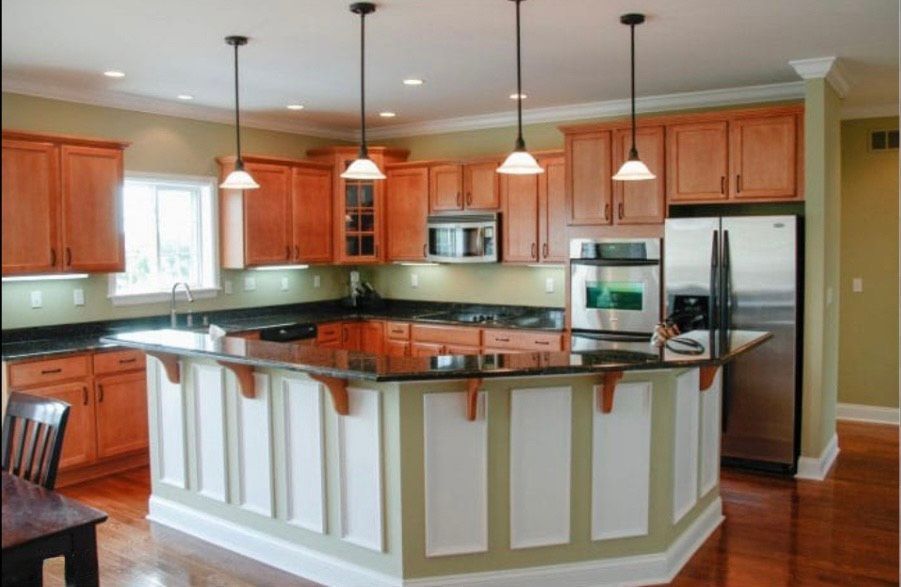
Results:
<point x="634" y="168"/>
<point x="387" y="114"/>
<point x="520" y="161"/>
<point x="294" y="106"/>
<point x="412" y="81"/>
<point x="185" y="97"/>
<point x="363" y="168"/>
<point x="238" y="179"/>
<point x="114" y="73"/>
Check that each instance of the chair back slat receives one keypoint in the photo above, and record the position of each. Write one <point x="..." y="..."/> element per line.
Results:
<point x="33" y="432"/>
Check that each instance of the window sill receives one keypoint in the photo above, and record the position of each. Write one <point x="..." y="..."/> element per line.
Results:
<point x="161" y="296"/>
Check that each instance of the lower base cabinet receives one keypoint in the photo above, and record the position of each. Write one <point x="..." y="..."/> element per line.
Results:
<point x="121" y="408"/>
<point x="79" y="446"/>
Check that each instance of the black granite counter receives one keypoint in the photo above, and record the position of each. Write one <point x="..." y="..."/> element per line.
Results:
<point x="356" y="365"/>
<point x="30" y="343"/>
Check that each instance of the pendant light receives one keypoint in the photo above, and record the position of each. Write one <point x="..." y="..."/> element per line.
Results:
<point x="634" y="168"/>
<point x="363" y="168"/>
<point x="238" y="179"/>
<point x="520" y="161"/>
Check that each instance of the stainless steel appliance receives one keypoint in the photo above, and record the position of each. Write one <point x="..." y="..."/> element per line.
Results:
<point x="470" y="238"/>
<point x="746" y="273"/>
<point x="615" y="286"/>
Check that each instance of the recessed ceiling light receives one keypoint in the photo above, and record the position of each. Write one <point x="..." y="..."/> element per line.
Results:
<point x="387" y="114"/>
<point x="515" y="96"/>
<point x="413" y="82"/>
<point x="295" y="106"/>
<point x="114" y="73"/>
<point x="186" y="97"/>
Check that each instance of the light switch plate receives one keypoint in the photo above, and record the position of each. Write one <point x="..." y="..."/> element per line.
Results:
<point x="37" y="299"/>
<point x="78" y="297"/>
<point x="549" y="285"/>
<point x="857" y="284"/>
<point x="250" y="283"/>
<point x="414" y="280"/>
<point x="229" y="287"/>
<point x="317" y="281"/>
<point x="284" y="284"/>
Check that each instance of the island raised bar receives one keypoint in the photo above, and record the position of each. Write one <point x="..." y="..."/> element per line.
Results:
<point x="516" y="469"/>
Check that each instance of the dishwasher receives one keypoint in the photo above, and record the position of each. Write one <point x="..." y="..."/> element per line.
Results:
<point x="301" y="333"/>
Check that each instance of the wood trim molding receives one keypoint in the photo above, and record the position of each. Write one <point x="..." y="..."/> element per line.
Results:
<point x="21" y="135"/>
<point x="472" y="398"/>
<point x="708" y="374"/>
<point x="244" y="375"/>
<point x="605" y="397"/>
<point x="170" y="365"/>
<point x="338" y="390"/>
<point x="229" y="160"/>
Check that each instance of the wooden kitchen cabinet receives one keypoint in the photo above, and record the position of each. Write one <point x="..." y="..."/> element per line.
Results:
<point x="697" y="156"/>
<point x="397" y="348"/>
<point x="62" y="204"/>
<point x="311" y="210"/>
<point x="640" y="202"/>
<point x="764" y="157"/>
<point x="589" y="183"/>
<point x="121" y="408"/>
<point x="372" y="337"/>
<point x="426" y="349"/>
<point x="552" y="238"/>
<point x="534" y="226"/>
<point x="445" y="187"/>
<point x="407" y="208"/>
<point x="481" y="185"/>
<point x="267" y="216"/>
<point x="79" y="445"/>
<point x="352" y="336"/>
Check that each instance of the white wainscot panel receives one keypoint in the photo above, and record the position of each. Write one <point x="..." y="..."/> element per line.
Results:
<point x="685" y="444"/>
<point x="360" y="469"/>
<point x="711" y="417"/>
<point x="540" y="457"/>
<point x="255" y="449"/>
<point x="209" y="422"/>
<point x="304" y="453"/>
<point x="170" y="426"/>
<point x="456" y="475"/>
<point x="621" y="464"/>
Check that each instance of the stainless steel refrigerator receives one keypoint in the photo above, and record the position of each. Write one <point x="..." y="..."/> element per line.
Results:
<point x="745" y="272"/>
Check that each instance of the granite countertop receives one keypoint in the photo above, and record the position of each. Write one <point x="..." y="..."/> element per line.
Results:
<point x="356" y="365"/>
<point x="30" y="343"/>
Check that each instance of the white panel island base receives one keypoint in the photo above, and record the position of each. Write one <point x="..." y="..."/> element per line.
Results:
<point x="543" y="487"/>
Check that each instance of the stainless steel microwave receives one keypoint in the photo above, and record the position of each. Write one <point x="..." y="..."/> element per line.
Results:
<point x="471" y="238"/>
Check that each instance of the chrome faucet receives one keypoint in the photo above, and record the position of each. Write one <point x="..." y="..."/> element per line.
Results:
<point x="173" y="317"/>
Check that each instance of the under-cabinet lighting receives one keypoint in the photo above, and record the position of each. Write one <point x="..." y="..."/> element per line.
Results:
<point x="280" y="267"/>
<point x="60" y="277"/>
<point x="294" y="106"/>
<point x="185" y="97"/>
<point x="413" y="82"/>
<point x="387" y="114"/>
<point x="114" y="73"/>
<point x="417" y="264"/>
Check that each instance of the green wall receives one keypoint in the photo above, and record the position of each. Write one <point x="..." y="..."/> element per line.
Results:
<point x="868" y="346"/>
<point x="160" y="144"/>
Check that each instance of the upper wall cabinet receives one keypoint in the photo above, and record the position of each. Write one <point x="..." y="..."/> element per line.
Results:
<point x="287" y="220"/>
<point x="406" y="210"/>
<point x="640" y="202"/>
<point x="698" y="156"/>
<point x="445" y="188"/>
<point x="765" y="159"/>
<point x="62" y="204"/>
<point x="533" y="224"/>
<point x="468" y="186"/>
<point x="589" y="186"/>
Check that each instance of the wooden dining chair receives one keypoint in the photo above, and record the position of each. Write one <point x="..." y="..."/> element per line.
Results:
<point x="33" y="432"/>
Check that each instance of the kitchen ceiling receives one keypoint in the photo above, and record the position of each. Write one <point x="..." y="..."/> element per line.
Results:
<point x="306" y="51"/>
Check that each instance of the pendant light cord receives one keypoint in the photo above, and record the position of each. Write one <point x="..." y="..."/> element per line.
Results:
<point x="239" y="164"/>
<point x="633" y="152"/>
<point x="520" y="143"/>
<point x="364" y="150"/>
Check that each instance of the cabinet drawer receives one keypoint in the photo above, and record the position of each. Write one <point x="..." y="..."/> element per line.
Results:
<point x="456" y="335"/>
<point x="330" y="332"/>
<point x="117" y="361"/>
<point x="521" y="340"/>
<point x="397" y="330"/>
<point x="47" y="371"/>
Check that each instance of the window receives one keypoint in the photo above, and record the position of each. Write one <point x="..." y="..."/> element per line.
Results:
<point x="169" y="237"/>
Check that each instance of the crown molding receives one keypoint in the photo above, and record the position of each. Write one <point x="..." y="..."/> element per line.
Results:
<point x="590" y="110"/>
<point x="829" y="68"/>
<point x="169" y="108"/>
<point x="869" y="111"/>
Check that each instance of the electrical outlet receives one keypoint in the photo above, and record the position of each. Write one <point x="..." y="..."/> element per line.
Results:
<point x="284" y="284"/>
<point x="37" y="299"/>
<point x="414" y="279"/>
<point x="229" y="287"/>
<point x="317" y="281"/>
<point x="250" y="283"/>
<point x="549" y="285"/>
<point x="857" y="285"/>
<point x="78" y="297"/>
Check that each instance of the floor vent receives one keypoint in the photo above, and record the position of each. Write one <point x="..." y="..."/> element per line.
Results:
<point x="883" y="140"/>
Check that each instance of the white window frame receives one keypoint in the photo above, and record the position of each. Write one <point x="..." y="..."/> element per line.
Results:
<point x="212" y="207"/>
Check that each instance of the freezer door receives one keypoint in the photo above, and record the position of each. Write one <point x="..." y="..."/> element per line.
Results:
<point x="689" y="246"/>
<point x="760" y="399"/>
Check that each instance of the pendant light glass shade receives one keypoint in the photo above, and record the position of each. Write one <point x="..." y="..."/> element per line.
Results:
<point x="634" y="168"/>
<point x="520" y="161"/>
<point x="238" y="179"/>
<point x="363" y="169"/>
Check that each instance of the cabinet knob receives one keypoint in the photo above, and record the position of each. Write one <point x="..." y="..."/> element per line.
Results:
<point x="52" y="257"/>
<point x="99" y="392"/>
<point x="68" y="257"/>
<point x="544" y="250"/>
<point x="534" y="250"/>
<point x="84" y="395"/>
<point x="620" y="210"/>
<point x="606" y="211"/>
<point x="723" y="184"/>
<point x="738" y="183"/>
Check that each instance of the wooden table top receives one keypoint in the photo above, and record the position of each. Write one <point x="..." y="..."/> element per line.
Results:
<point x="31" y="512"/>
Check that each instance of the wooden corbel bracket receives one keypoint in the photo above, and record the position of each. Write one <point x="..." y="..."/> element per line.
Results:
<point x="244" y="375"/>
<point x="605" y="397"/>
<point x="170" y="365"/>
<point x="708" y="374"/>
<point x="472" y="398"/>
<point x="338" y="390"/>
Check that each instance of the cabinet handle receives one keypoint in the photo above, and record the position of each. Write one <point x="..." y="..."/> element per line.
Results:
<point x="534" y="250"/>
<point x="99" y="393"/>
<point x="68" y="257"/>
<point x="499" y="339"/>
<point x="50" y="371"/>
<point x="125" y="361"/>
<point x="738" y="183"/>
<point x="606" y="211"/>
<point x="723" y="184"/>
<point x="459" y="199"/>
<point x="84" y="395"/>
<point x="296" y="253"/>
<point x="544" y="250"/>
<point x="620" y="210"/>
<point x="425" y="250"/>
<point x="469" y="198"/>
<point x="52" y="257"/>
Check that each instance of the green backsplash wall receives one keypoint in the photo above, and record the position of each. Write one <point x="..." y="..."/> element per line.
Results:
<point x="160" y="144"/>
<point x="868" y="346"/>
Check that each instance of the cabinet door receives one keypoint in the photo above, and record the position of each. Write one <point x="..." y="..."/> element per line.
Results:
<point x="457" y="349"/>
<point x="267" y="216"/>
<point x="311" y="210"/>
<point x="406" y="210"/>
<point x="481" y="186"/>
<point x="372" y="337"/>
<point x="445" y="188"/>
<point x="121" y="414"/>
<point x="79" y="446"/>
<point x="351" y="339"/>
<point x="552" y="210"/>
<point x="92" y="180"/>
<point x="30" y="207"/>
<point x="426" y="349"/>
<point x="764" y="157"/>
<point x="589" y="183"/>
<point x="640" y="202"/>
<point x="397" y="348"/>
<point x="697" y="161"/>
<point x="519" y="197"/>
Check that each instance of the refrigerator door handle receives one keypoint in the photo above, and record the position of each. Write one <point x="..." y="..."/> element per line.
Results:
<point x="712" y="310"/>
<point x="725" y="293"/>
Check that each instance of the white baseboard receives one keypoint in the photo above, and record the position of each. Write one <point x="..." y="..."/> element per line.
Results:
<point x="647" y="569"/>
<point x="864" y="413"/>
<point x="816" y="468"/>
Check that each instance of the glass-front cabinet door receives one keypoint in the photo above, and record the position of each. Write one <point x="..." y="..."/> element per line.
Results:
<point x="360" y="220"/>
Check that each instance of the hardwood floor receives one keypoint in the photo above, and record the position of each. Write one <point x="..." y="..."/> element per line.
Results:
<point x="842" y="531"/>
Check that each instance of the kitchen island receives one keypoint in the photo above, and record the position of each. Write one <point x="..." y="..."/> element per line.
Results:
<point x="505" y="469"/>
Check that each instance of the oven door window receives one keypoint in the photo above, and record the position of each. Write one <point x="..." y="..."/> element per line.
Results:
<point x="614" y="295"/>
